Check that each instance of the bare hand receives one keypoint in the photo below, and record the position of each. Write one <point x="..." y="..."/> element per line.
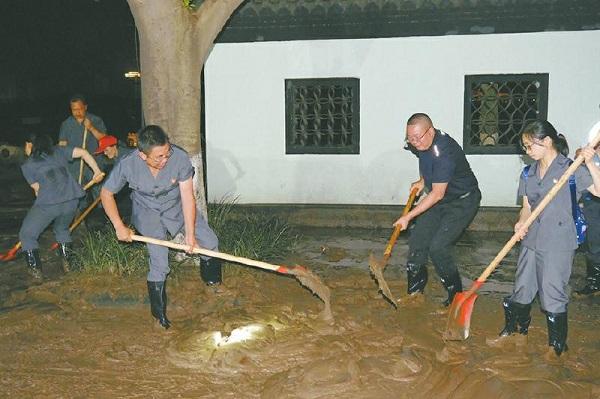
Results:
<point x="588" y="154"/>
<point x="520" y="232"/>
<point x="419" y="185"/>
<point x="402" y="222"/>
<point x="124" y="233"/>
<point x="98" y="176"/>
<point x="191" y="241"/>
<point x="87" y="123"/>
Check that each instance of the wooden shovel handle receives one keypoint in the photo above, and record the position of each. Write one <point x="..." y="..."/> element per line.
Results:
<point x="398" y="229"/>
<point x="536" y="212"/>
<point x="83" y="145"/>
<point x="213" y="254"/>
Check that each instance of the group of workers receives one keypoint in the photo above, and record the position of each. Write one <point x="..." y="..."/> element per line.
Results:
<point x="159" y="175"/>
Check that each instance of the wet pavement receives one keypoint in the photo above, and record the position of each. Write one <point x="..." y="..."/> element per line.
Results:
<point x="78" y="335"/>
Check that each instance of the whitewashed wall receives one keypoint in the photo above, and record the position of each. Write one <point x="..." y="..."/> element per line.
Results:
<point x="245" y="110"/>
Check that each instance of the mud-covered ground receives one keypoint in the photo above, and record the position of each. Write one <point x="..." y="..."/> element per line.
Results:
<point x="80" y="336"/>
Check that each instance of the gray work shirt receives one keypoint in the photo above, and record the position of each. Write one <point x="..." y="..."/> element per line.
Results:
<point x="554" y="228"/>
<point x="71" y="131"/>
<point x="50" y="172"/>
<point x="153" y="197"/>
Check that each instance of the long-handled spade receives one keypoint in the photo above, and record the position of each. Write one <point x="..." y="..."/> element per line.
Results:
<point x="377" y="266"/>
<point x="304" y="276"/>
<point x="12" y="253"/>
<point x="459" y="314"/>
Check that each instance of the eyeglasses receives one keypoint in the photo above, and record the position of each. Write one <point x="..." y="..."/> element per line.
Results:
<point x="414" y="140"/>
<point x="527" y="147"/>
<point x="161" y="158"/>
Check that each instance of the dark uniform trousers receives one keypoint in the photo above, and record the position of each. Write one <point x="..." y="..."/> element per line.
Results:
<point x="591" y="210"/>
<point x="40" y="216"/>
<point x="435" y="232"/>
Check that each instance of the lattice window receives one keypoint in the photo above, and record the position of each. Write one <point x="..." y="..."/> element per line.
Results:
<point x="498" y="107"/>
<point x="322" y="116"/>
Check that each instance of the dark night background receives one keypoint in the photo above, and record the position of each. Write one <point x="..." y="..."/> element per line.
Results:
<point x="50" y="50"/>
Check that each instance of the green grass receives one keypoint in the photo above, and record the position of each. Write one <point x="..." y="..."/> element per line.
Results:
<point x="257" y="236"/>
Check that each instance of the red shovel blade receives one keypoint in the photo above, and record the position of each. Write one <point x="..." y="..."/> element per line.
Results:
<point x="459" y="314"/>
<point x="10" y="255"/>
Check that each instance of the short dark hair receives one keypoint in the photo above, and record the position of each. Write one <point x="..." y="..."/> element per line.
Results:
<point x="41" y="144"/>
<point x="151" y="136"/>
<point x="78" y="97"/>
<point x="419" y="117"/>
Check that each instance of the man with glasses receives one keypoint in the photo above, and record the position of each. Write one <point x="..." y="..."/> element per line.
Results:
<point x="446" y="210"/>
<point x="159" y="175"/>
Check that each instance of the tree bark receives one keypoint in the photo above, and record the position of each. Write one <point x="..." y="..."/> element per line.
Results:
<point x="174" y="44"/>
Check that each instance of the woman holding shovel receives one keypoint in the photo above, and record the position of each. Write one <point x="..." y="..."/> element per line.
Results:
<point x="57" y="195"/>
<point x="548" y="245"/>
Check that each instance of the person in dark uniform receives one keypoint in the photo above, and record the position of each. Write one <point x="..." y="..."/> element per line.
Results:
<point x="591" y="209"/>
<point x="114" y="151"/>
<point x="548" y="245"/>
<point x="160" y="177"/>
<point x="57" y="195"/>
<point x="451" y="202"/>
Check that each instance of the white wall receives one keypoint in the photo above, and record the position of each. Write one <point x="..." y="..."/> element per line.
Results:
<point x="245" y="110"/>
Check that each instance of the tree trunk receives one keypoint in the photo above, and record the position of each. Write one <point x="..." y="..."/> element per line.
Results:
<point x="174" y="44"/>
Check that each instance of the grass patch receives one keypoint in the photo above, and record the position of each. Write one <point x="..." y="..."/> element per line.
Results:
<point x="256" y="236"/>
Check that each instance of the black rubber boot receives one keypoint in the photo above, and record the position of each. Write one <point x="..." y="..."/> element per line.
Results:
<point x="557" y="331"/>
<point x="592" y="279"/>
<point x="34" y="263"/>
<point x="515" y="315"/>
<point x="66" y="253"/>
<point x="210" y="271"/>
<point x="417" y="277"/>
<point x="453" y="285"/>
<point x="158" y="302"/>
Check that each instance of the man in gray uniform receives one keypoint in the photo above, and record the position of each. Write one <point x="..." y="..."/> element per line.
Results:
<point x="160" y="177"/>
<point x="72" y="130"/>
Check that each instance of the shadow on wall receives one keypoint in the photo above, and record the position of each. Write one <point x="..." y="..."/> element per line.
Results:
<point x="223" y="173"/>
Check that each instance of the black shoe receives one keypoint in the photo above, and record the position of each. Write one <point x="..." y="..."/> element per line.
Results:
<point x="453" y="285"/>
<point x="417" y="277"/>
<point x="557" y="331"/>
<point x="210" y="271"/>
<point x="34" y="263"/>
<point x="515" y="315"/>
<point x="158" y="302"/>
<point x="66" y="253"/>
<point x="592" y="280"/>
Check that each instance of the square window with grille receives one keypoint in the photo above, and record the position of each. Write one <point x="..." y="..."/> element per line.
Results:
<point x="322" y="116"/>
<point x="498" y="107"/>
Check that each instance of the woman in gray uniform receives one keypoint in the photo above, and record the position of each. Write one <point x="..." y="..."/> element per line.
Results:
<point x="548" y="246"/>
<point x="57" y="195"/>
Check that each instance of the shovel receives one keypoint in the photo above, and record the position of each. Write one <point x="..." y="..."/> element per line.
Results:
<point x="459" y="314"/>
<point x="304" y="276"/>
<point x="12" y="253"/>
<point x="377" y="266"/>
<point x="79" y="219"/>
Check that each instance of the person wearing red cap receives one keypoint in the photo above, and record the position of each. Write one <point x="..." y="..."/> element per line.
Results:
<point x="111" y="148"/>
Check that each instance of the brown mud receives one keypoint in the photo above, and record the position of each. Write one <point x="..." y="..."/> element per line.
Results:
<point x="262" y="335"/>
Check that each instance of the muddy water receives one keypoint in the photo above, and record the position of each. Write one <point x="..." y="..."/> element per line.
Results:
<point x="262" y="335"/>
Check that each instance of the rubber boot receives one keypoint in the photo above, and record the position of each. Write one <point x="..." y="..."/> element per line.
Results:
<point x="592" y="280"/>
<point x="210" y="271"/>
<point x="517" y="318"/>
<point x="66" y="253"/>
<point x="34" y="263"/>
<point x="158" y="302"/>
<point x="417" y="278"/>
<point x="557" y="331"/>
<point x="453" y="285"/>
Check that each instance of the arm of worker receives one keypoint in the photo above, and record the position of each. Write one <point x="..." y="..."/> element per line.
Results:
<point x="419" y="185"/>
<point x="520" y="229"/>
<point x="110" y="207"/>
<point x="90" y="161"/>
<point x="588" y="154"/>
<point x="188" y="204"/>
<point x="438" y="190"/>
<point x="36" y="188"/>
<point x="97" y="131"/>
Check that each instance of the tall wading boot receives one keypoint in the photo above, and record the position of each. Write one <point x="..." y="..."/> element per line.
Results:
<point x="417" y="278"/>
<point x="210" y="271"/>
<point x="158" y="302"/>
<point x="453" y="285"/>
<point x="517" y="318"/>
<point x="557" y="331"/>
<point x="34" y="263"/>
<point x="592" y="280"/>
<point x="66" y="253"/>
